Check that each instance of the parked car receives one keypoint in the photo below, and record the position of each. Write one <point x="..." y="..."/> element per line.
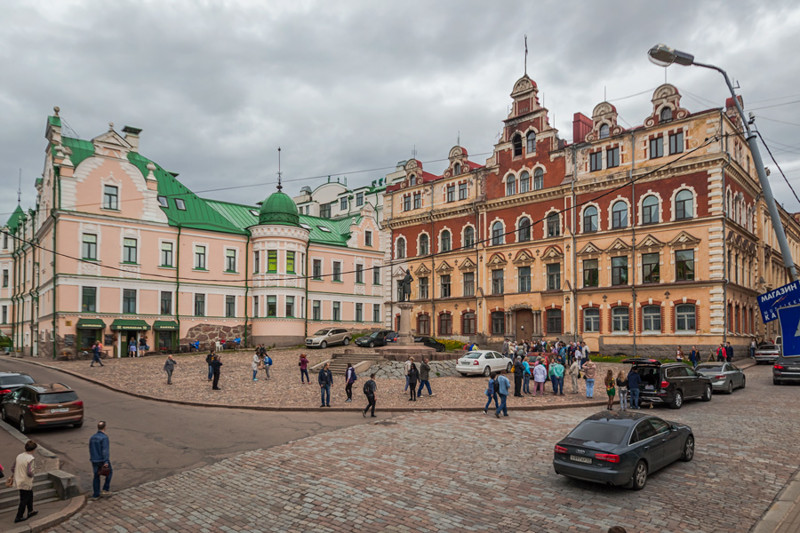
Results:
<point x="377" y="338"/>
<point x="622" y="448"/>
<point x="767" y="353"/>
<point x="669" y="383"/>
<point x="11" y="381"/>
<point x="328" y="337"/>
<point x="786" y="369"/>
<point x="724" y="376"/>
<point x="37" y="405"/>
<point x="483" y="362"/>
<point x="431" y="343"/>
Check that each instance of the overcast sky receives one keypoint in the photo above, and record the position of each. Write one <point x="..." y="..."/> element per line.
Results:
<point x="351" y="88"/>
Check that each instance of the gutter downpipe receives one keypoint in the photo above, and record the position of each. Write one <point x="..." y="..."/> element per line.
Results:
<point x="574" y="288"/>
<point x="246" y="284"/>
<point x="178" y="283"/>
<point x="54" y="213"/>
<point x="723" y="145"/>
<point x="305" y="285"/>
<point x="633" y="238"/>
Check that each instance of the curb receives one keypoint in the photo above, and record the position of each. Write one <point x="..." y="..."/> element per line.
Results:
<point x="783" y="510"/>
<point x="76" y="504"/>
<point x="41" y="450"/>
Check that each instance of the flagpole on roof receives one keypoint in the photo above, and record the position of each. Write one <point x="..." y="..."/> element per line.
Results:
<point x="526" y="54"/>
<point x="279" y="169"/>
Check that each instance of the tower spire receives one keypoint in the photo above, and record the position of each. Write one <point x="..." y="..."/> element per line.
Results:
<point x="19" y="186"/>
<point x="279" y="169"/>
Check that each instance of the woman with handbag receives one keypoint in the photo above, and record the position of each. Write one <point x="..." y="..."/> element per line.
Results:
<point x="611" y="391"/>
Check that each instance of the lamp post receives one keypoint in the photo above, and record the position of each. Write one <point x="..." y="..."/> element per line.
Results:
<point x="665" y="56"/>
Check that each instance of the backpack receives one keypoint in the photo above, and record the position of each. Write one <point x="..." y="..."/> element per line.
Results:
<point x="367" y="389"/>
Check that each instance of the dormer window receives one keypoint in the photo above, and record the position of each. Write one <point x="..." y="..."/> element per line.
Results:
<point x="516" y="142"/>
<point x="254" y="212"/>
<point x="456" y="169"/>
<point x="604" y="131"/>
<point x="666" y="115"/>
<point x="180" y="204"/>
<point x="162" y="201"/>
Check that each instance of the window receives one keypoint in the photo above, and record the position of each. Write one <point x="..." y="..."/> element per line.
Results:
<point x="596" y="161"/>
<point x="468" y="323"/>
<point x="5" y="241"/>
<point x="612" y="157"/>
<point x="524" y="182"/>
<point x="676" y="143"/>
<point x="591" y="276"/>
<point x="553" y="225"/>
<point x="619" y="215"/>
<point x="446" y="245"/>
<point x="423" y="325"/>
<point x="684" y="207"/>
<point x="591" y="320"/>
<point x="199" y="305"/>
<point x="316" y="269"/>
<point x="530" y="143"/>
<point x="376" y="312"/>
<point x="524" y="279"/>
<point x="129" y="250"/>
<point x="88" y="249"/>
<point x="5" y="314"/>
<point x="619" y="270"/>
<point x="497" y="281"/>
<point x="272" y="261"/>
<point x="468" y="284"/>
<point x="553" y="321"/>
<point x="367" y="238"/>
<point x="423" y="288"/>
<point x="619" y="319"/>
<point x="650" y="210"/>
<point x="200" y="257"/>
<point x="604" y="131"/>
<point x="166" y="254"/>
<point x="516" y="142"/>
<point x="230" y="260"/>
<point x="498" y="323"/>
<point x="469" y="237"/>
<point x="337" y="271"/>
<point x="651" y="318"/>
<point x="498" y="236"/>
<point x="343" y="203"/>
<point x="337" y="311"/>
<point x="290" y="306"/>
<point x="5" y="277"/>
<point x="255" y="307"/>
<point x="401" y="248"/>
<point x="456" y="169"/>
<point x="376" y="275"/>
<point x="423" y="244"/>
<point x="451" y="193"/>
<point x="325" y="212"/>
<point x="129" y="301"/>
<point x="359" y="199"/>
<point x="511" y="185"/>
<point x="524" y="229"/>
<point x="110" y="197"/>
<point x="89" y="299"/>
<point x="360" y="274"/>
<point x="316" y="310"/>
<point x="230" y="306"/>
<point x="417" y="200"/>
<point x="256" y="261"/>
<point x="444" y="286"/>
<point x="666" y="115"/>
<point x="684" y="265"/>
<point x="180" y="204"/>
<point x="553" y="277"/>
<point x="166" y="302"/>
<point x="656" y="147"/>
<point x="290" y="262"/>
<point x="590" y="219"/>
<point x="651" y="265"/>
<point x="685" y="318"/>
<point x="445" y="324"/>
<point x="272" y="306"/>
<point x="538" y="179"/>
<point x="462" y="190"/>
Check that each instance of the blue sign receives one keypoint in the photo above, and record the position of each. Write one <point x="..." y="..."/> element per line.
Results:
<point x="784" y="296"/>
<point x="790" y="329"/>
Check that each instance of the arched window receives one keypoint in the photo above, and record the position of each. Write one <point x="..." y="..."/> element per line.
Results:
<point x="423" y="325"/>
<point x="650" y="210"/>
<point x="524" y="182"/>
<point x="685" y="318"/>
<point x="468" y="323"/>
<point x="591" y="320"/>
<point x="530" y="144"/>
<point x="423" y="244"/>
<point x="604" y="130"/>
<point x="446" y="245"/>
<point x="619" y="319"/>
<point x="511" y="185"/>
<point x="524" y="229"/>
<point x="445" y="324"/>
<point x="456" y="169"/>
<point x="553" y="321"/>
<point x="516" y="142"/>
<point x="684" y="207"/>
<point x="666" y="114"/>
<point x="651" y="318"/>
<point x="590" y="219"/>
<point x="400" y="252"/>
<point x="619" y="215"/>
<point x="538" y="179"/>
<point x="553" y="225"/>
<point x="469" y="237"/>
<point x="498" y="231"/>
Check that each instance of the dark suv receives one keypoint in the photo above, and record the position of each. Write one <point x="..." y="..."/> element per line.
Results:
<point x="786" y="369"/>
<point x="39" y="405"/>
<point x="669" y="383"/>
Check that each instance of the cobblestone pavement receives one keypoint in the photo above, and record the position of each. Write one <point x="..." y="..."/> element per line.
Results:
<point x="446" y="471"/>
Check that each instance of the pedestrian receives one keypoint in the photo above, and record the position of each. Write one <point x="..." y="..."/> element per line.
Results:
<point x="96" y="354"/>
<point x="539" y="376"/>
<point x="491" y="392"/>
<point x="622" y="386"/>
<point x="694" y="357"/>
<point x="679" y="355"/>
<point x="209" y="359"/>
<point x="99" y="455"/>
<point x="303" y="364"/>
<point x="424" y="376"/>
<point x="634" y="382"/>
<point x="611" y="389"/>
<point x="518" y="371"/>
<point x="575" y="373"/>
<point x="579" y="355"/>
<point x="407" y="369"/>
<point x="526" y="376"/>
<point x="169" y="367"/>
<point x="413" y="377"/>
<point x="143" y="347"/>
<point x="502" y="386"/>
<point x="132" y="347"/>
<point x="216" y="366"/>
<point x="505" y="347"/>
<point x="753" y="347"/>
<point x="22" y="474"/>
<point x="722" y="356"/>
<point x="267" y="362"/>
<point x="349" y="378"/>
<point x="729" y="352"/>
<point x="325" y="380"/>
<point x="557" y="377"/>
<point x="590" y="372"/>
<point x="369" y="391"/>
<point x="255" y="365"/>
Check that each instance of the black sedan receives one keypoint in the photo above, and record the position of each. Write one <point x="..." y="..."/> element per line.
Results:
<point x="11" y="381"/>
<point x="377" y="338"/>
<point x="786" y="369"/>
<point x="431" y="343"/>
<point x="622" y="448"/>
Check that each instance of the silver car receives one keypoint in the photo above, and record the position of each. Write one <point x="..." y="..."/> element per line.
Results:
<point x="724" y="376"/>
<point x="767" y="353"/>
<point x="328" y="337"/>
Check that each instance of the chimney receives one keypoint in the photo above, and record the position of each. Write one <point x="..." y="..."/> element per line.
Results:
<point x="581" y="126"/>
<point x="132" y="136"/>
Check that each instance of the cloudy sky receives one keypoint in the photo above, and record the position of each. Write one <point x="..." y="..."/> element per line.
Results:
<point x="350" y="88"/>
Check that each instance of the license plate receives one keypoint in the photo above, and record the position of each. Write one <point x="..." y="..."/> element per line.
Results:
<point x="61" y="410"/>
<point x="579" y="459"/>
<point x="649" y="387"/>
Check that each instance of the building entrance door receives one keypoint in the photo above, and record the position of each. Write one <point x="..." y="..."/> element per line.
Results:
<point x="524" y="324"/>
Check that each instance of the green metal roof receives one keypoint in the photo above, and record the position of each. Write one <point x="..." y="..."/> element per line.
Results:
<point x="129" y="324"/>
<point x="90" y="323"/>
<point x="279" y="209"/>
<point x="54" y="121"/>
<point x="15" y="219"/>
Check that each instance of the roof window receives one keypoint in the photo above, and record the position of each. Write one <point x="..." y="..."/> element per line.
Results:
<point x="162" y="201"/>
<point x="180" y="204"/>
<point x="323" y="228"/>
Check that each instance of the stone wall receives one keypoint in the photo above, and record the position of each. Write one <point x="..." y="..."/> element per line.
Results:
<point x="667" y="351"/>
<point x="210" y="334"/>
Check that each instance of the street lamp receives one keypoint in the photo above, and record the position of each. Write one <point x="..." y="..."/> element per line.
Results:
<point x="664" y="56"/>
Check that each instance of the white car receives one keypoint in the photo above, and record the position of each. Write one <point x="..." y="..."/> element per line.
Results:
<point x="483" y="362"/>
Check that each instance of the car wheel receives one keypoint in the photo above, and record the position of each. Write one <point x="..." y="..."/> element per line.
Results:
<point x="707" y="394"/>
<point x="371" y="344"/>
<point x="487" y="371"/>
<point x="677" y="401"/>
<point x="688" y="449"/>
<point x="744" y="381"/>
<point x="3" y="414"/>
<point x="23" y="427"/>
<point x="775" y="381"/>
<point x="639" y="476"/>
<point x="346" y="341"/>
<point x="463" y="374"/>
<point x="323" y="345"/>
<point x="77" y="424"/>
<point x="508" y="367"/>
<point x="730" y="387"/>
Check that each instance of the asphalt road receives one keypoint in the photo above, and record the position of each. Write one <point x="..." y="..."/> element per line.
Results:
<point x="151" y="440"/>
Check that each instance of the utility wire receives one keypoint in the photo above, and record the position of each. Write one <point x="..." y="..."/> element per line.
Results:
<point x="777" y="165"/>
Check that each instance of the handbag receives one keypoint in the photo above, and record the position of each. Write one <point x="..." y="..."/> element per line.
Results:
<point x="104" y="470"/>
<point x="10" y="482"/>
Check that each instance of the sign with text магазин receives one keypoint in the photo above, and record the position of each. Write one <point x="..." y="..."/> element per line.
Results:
<point x="771" y="301"/>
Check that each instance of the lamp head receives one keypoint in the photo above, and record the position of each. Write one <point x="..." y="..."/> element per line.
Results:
<point x="664" y="56"/>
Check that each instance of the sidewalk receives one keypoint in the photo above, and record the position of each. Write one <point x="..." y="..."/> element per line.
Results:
<point x="783" y="516"/>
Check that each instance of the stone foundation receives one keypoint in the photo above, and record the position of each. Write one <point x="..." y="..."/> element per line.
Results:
<point x="210" y="334"/>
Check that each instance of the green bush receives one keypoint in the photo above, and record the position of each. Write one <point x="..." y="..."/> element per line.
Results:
<point x="451" y="345"/>
<point x="5" y="342"/>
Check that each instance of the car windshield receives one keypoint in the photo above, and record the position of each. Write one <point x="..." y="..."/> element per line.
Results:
<point x="473" y="355"/>
<point x="16" y="380"/>
<point x="58" y="397"/>
<point x="599" y="432"/>
<point x="709" y="368"/>
<point x="322" y="332"/>
<point x="768" y="347"/>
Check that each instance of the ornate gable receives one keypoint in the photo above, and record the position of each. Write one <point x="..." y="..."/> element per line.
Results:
<point x="650" y="242"/>
<point x="444" y="268"/>
<point x="604" y="114"/>
<point x="684" y="240"/>
<point x="619" y="246"/>
<point x="422" y="270"/>
<point x="111" y="144"/>
<point x="552" y="252"/>
<point x="524" y="258"/>
<point x="497" y="259"/>
<point x="590" y="249"/>
<point x="467" y="265"/>
<point x="666" y="96"/>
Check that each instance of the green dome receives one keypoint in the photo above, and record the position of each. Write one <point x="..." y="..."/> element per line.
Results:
<point x="279" y="209"/>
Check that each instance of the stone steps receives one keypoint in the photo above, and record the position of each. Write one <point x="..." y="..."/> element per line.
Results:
<point x="338" y="364"/>
<point x="44" y="490"/>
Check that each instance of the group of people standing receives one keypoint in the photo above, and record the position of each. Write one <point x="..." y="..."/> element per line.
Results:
<point x="627" y="385"/>
<point x="416" y="375"/>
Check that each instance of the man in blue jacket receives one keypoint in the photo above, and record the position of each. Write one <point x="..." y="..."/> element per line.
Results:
<point x="501" y="386"/>
<point x="325" y="380"/>
<point x="99" y="456"/>
<point x="634" y="384"/>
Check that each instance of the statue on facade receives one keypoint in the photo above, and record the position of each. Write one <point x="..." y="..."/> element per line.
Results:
<point x="405" y="287"/>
